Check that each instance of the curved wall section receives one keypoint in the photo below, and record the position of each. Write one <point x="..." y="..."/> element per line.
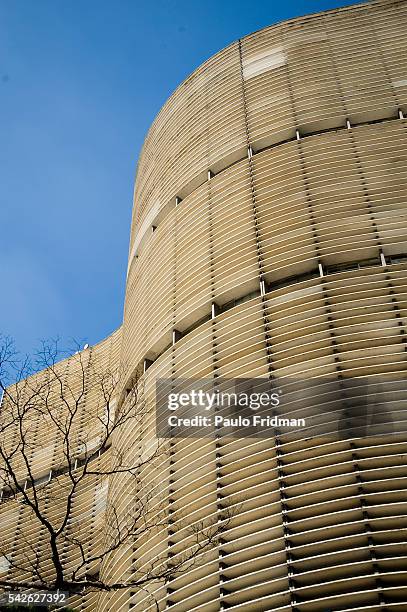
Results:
<point x="313" y="206"/>
<point x="308" y="74"/>
<point x="269" y="237"/>
<point x="317" y="524"/>
<point x="72" y="383"/>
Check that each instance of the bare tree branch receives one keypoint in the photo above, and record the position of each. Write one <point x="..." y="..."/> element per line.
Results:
<point x="59" y="421"/>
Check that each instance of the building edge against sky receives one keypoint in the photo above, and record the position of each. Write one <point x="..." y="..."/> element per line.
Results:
<point x="269" y="237"/>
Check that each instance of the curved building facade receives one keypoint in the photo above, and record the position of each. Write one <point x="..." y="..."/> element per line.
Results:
<point x="269" y="239"/>
<point x="23" y="539"/>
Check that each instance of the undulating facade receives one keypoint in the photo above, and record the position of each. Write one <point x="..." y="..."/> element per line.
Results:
<point x="269" y="238"/>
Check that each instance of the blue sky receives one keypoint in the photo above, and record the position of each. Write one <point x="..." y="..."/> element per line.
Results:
<point x="80" y="83"/>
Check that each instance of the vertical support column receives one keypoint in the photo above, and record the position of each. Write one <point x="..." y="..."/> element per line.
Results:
<point x="396" y="310"/>
<point x="260" y="257"/>
<point x="251" y="177"/>
<point x="171" y="444"/>
<point x="366" y="195"/>
<point x="215" y="311"/>
<point x="286" y="528"/>
<point x="268" y="348"/>
<point x="366" y="524"/>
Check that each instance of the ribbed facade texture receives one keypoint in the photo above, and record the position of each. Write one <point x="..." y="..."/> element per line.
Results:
<point x="20" y="533"/>
<point x="269" y="238"/>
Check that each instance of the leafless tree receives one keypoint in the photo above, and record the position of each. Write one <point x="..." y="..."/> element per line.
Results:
<point x="63" y="450"/>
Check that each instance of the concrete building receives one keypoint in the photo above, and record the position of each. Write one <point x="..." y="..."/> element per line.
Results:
<point x="269" y="238"/>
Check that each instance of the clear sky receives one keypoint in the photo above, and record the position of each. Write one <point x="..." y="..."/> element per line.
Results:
<point x="80" y="83"/>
